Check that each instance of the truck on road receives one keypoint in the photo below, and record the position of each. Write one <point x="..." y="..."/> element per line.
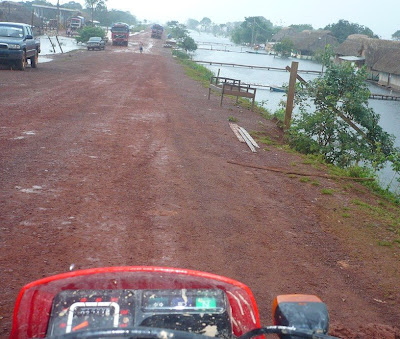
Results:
<point x="17" y="45"/>
<point x="76" y="22"/>
<point x="120" y="34"/>
<point x="157" y="31"/>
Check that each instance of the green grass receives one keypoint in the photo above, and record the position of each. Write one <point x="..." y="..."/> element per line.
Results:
<point x="279" y="115"/>
<point x="305" y="179"/>
<point x="348" y="186"/>
<point x="193" y="70"/>
<point x="327" y="191"/>
<point x="262" y="138"/>
<point x="362" y="172"/>
<point x="362" y="204"/>
<point x="385" y="243"/>
<point x="388" y="216"/>
<point x="233" y="119"/>
<point x="307" y="162"/>
<point x="317" y="161"/>
<point x="247" y="103"/>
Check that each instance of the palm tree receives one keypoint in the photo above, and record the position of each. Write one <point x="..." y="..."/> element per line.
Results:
<point x="94" y="3"/>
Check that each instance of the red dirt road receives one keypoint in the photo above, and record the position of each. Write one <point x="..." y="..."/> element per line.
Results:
<point x="117" y="158"/>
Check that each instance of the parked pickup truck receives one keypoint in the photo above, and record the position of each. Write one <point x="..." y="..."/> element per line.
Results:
<point x="17" y="45"/>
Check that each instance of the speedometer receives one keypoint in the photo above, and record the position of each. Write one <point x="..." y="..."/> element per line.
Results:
<point x="86" y="309"/>
<point x="193" y="310"/>
<point x="82" y="315"/>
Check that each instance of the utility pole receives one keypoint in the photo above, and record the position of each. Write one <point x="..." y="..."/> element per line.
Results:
<point x="252" y="32"/>
<point x="290" y="95"/>
<point x="323" y="58"/>
<point x="58" y="15"/>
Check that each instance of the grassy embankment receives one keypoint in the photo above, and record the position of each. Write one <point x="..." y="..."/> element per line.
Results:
<point x="381" y="205"/>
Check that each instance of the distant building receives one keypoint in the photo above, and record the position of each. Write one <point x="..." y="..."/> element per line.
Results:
<point x="381" y="57"/>
<point x="388" y="67"/>
<point x="285" y="32"/>
<point x="307" y="43"/>
<point x="46" y="12"/>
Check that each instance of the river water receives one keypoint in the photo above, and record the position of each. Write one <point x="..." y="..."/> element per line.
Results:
<point x="388" y="110"/>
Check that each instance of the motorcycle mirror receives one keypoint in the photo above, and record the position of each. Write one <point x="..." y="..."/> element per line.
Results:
<point x="301" y="311"/>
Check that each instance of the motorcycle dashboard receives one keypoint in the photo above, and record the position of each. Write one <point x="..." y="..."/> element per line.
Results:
<point x="203" y="311"/>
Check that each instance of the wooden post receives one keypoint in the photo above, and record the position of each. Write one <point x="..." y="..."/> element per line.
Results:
<point x="59" y="44"/>
<point x="52" y="45"/>
<point x="290" y="95"/>
<point x="222" y="94"/>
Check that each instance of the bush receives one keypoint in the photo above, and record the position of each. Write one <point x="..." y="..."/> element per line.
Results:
<point x="180" y="54"/>
<point x="87" y="32"/>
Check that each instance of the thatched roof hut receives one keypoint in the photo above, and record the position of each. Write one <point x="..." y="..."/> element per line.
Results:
<point x="307" y="42"/>
<point x="377" y="49"/>
<point x="380" y="55"/>
<point x="354" y="45"/>
<point x="285" y="32"/>
<point x="389" y="62"/>
<point x="310" y="42"/>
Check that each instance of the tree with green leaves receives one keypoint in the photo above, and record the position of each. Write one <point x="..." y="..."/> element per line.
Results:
<point x="342" y="29"/>
<point x="284" y="48"/>
<point x="92" y="4"/>
<point x="396" y="35"/>
<point x="205" y="23"/>
<point x="341" y="127"/>
<point x="178" y="31"/>
<point x="72" y="5"/>
<point x="107" y="17"/>
<point x="188" y="44"/>
<point x="254" y="30"/>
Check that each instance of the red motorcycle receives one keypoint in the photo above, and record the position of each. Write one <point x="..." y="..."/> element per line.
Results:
<point x="157" y="302"/>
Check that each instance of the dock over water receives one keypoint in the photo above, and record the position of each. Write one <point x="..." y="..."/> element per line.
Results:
<point x="384" y="97"/>
<point x="267" y="68"/>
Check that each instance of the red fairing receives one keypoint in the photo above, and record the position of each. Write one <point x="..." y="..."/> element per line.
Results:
<point x="34" y="302"/>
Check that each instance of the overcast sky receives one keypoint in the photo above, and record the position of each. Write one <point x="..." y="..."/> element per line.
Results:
<point x="383" y="16"/>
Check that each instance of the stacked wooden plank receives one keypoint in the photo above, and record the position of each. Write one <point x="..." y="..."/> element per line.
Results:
<point x="244" y="136"/>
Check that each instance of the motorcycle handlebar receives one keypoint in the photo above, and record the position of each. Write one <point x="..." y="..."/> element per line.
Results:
<point x="159" y="333"/>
